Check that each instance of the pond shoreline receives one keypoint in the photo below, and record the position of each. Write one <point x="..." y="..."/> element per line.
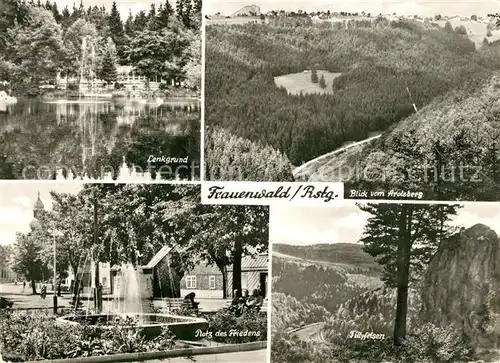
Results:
<point x="169" y="94"/>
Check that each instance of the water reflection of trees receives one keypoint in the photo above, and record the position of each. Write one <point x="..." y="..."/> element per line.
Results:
<point x="91" y="137"/>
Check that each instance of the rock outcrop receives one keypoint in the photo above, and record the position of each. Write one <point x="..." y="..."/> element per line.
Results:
<point x="462" y="284"/>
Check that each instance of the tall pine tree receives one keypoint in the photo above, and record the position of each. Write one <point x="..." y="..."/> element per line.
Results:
<point x="314" y="76"/>
<point x="163" y="15"/>
<point x="140" y="21"/>
<point x="129" y="25"/>
<point x="184" y="9"/>
<point x="197" y="5"/>
<point x="116" y="31"/>
<point x="402" y="238"/>
<point x="179" y="8"/>
<point x="322" y="82"/>
<point x="107" y="71"/>
<point x="187" y="14"/>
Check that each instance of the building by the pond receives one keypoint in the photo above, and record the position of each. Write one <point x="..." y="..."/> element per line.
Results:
<point x="127" y="79"/>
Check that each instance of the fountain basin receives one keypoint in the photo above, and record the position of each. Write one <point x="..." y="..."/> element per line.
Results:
<point x="183" y="327"/>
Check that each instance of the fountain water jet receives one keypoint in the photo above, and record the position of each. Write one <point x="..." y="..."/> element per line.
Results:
<point x="129" y="292"/>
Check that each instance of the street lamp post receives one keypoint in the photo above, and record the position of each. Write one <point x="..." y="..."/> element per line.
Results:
<point x="55" y="274"/>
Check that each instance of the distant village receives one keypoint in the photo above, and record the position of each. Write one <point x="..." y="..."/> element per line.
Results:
<point x="254" y="11"/>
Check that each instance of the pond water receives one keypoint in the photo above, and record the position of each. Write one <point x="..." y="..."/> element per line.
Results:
<point x="71" y="139"/>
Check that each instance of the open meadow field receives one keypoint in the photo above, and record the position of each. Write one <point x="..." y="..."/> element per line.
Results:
<point x="297" y="83"/>
<point x="476" y="30"/>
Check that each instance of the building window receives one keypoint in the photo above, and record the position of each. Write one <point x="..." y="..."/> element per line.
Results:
<point x="211" y="282"/>
<point x="190" y="282"/>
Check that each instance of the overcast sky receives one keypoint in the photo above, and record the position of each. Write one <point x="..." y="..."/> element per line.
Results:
<point x="345" y="222"/>
<point x="420" y="7"/>
<point x="122" y="5"/>
<point x="16" y="204"/>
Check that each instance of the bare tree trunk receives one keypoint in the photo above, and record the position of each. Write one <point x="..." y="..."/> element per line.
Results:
<point x="33" y="286"/>
<point x="96" y="275"/>
<point x="403" y="273"/>
<point x="97" y="283"/>
<point x="224" y="284"/>
<point x="76" y="285"/>
<point x="238" y="252"/>
<point x="222" y="269"/>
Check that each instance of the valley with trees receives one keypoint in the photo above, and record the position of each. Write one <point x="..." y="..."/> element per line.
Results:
<point x="397" y="287"/>
<point x="393" y="72"/>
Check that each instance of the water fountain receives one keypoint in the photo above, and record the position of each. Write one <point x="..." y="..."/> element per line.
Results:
<point x="88" y="74"/>
<point x="132" y="292"/>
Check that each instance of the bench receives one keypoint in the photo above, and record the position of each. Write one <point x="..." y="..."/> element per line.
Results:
<point x="228" y="303"/>
<point x="263" y="308"/>
<point x="174" y="304"/>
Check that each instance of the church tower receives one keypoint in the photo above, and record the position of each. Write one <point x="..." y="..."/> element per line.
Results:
<point x="38" y="210"/>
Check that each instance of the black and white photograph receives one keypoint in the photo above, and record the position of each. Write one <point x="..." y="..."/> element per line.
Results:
<point x="130" y="272"/>
<point x="100" y="90"/>
<point x="390" y="283"/>
<point x="397" y="99"/>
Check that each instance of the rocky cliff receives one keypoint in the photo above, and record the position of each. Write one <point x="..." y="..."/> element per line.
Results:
<point x="461" y="286"/>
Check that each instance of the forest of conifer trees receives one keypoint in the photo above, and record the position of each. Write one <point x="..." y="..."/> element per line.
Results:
<point x="163" y="42"/>
<point x="389" y="70"/>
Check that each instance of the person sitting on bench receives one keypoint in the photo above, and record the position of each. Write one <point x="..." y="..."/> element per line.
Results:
<point x="236" y="298"/>
<point x="189" y="301"/>
<point x="255" y="301"/>
<point x="245" y="295"/>
<point x="238" y="304"/>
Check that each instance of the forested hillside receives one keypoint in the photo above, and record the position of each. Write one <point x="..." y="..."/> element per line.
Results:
<point x="229" y="157"/>
<point x="386" y="67"/>
<point x="305" y="292"/>
<point x="320" y="285"/>
<point x="288" y="312"/>
<point x="448" y="150"/>
<point x="340" y="253"/>
<point x="373" y="311"/>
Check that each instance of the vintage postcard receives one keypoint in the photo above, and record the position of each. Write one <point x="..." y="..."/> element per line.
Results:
<point x="130" y="272"/>
<point x="100" y="90"/>
<point x="376" y="282"/>
<point x="397" y="99"/>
